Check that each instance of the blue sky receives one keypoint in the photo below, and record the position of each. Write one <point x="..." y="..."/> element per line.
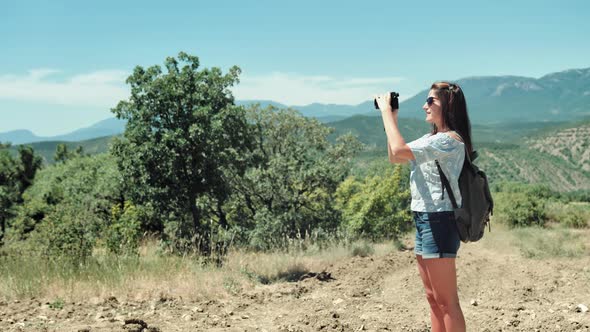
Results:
<point x="64" y="63"/>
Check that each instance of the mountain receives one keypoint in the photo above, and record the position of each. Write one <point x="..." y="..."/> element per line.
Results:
<point x="492" y="100"/>
<point x="19" y="137"/>
<point x="561" y="96"/>
<point x="322" y="112"/>
<point x="108" y="127"/>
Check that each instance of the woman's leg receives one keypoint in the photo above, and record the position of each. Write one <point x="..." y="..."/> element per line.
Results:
<point x="442" y="274"/>
<point x="436" y="315"/>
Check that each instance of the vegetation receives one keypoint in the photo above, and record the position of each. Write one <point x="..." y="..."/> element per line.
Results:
<point x="198" y="177"/>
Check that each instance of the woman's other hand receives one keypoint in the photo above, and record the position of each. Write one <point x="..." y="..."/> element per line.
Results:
<point x="384" y="102"/>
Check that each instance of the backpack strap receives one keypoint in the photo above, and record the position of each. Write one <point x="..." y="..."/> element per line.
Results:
<point x="446" y="185"/>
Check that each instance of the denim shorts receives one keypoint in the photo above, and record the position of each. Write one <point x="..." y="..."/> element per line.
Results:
<point x="436" y="234"/>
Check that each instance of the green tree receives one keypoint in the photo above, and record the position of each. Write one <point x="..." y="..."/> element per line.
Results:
<point x="16" y="175"/>
<point x="182" y="128"/>
<point x="377" y="207"/>
<point x="289" y="190"/>
<point x="8" y="191"/>
<point x="62" y="153"/>
<point x="28" y="164"/>
<point x="69" y="206"/>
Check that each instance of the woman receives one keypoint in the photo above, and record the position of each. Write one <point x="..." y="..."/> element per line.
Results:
<point x="437" y="238"/>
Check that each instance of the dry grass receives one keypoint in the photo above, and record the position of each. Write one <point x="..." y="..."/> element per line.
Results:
<point x="553" y="240"/>
<point x="153" y="275"/>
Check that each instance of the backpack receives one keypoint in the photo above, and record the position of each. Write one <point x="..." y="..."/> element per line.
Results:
<point x="477" y="204"/>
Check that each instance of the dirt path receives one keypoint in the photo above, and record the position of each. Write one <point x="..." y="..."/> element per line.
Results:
<point x="499" y="291"/>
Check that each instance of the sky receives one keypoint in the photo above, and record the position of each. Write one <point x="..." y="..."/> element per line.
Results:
<point x="63" y="64"/>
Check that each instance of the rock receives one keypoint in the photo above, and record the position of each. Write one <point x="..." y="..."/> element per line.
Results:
<point x="581" y="308"/>
<point x="337" y="301"/>
<point x="474" y="303"/>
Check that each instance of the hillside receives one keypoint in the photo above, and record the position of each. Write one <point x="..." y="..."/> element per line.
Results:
<point x="91" y="146"/>
<point x="570" y="144"/>
<point x="522" y="164"/>
<point x="561" y="96"/>
<point x="369" y="130"/>
<point x="553" y="153"/>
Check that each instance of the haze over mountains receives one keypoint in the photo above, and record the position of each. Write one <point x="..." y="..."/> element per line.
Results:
<point x="561" y="96"/>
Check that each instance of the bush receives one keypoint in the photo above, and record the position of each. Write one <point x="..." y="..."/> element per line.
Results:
<point x="66" y="234"/>
<point x="539" y="243"/>
<point x="377" y="207"/>
<point x="519" y="209"/>
<point x="363" y="249"/>
<point x="575" y="218"/>
<point x="124" y="232"/>
<point x="68" y="207"/>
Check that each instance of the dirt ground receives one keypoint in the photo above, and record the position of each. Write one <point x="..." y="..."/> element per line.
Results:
<point x="498" y="288"/>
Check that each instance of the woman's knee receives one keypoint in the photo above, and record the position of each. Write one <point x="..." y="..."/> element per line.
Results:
<point x="431" y="300"/>
<point x="448" y="306"/>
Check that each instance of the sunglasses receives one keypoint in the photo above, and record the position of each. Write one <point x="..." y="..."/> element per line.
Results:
<point x="430" y="100"/>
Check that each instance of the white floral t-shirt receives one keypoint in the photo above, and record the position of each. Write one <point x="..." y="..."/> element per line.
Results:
<point x="425" y="182"/>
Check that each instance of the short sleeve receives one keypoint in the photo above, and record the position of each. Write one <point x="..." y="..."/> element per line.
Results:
<point x="431" y="148"/>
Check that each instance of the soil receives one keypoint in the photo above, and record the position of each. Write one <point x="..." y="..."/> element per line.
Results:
<point x="499" y="290"/>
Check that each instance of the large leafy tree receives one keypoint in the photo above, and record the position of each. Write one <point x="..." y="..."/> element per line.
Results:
<point x="182" y="127"/>
<point x="289" y="192"/>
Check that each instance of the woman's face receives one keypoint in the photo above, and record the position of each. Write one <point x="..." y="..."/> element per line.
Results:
<point x="434" y="110"/>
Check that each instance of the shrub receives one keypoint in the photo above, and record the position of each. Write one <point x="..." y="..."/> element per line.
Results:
<point x="377" y="207"/>
<point x="363" y="249"/>
<point x="574" y="218"/>
<point x="124" y="232"/>
<point x="519" y="209"/>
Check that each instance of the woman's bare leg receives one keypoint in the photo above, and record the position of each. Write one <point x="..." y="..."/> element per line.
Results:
<point x="436" y="315"/>
<point x="442" y="274"/>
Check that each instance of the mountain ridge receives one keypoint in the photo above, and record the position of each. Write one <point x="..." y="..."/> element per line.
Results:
<point x="556" y="96"/>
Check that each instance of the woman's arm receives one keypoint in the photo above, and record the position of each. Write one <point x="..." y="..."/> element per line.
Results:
<point x="397" y="148"/>
<point x="393" y="159"/>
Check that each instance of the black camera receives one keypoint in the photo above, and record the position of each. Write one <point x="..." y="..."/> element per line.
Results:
<point x="394" y="101"/>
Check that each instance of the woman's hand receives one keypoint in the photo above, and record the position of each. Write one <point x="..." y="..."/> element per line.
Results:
<point x="384" y="102"/>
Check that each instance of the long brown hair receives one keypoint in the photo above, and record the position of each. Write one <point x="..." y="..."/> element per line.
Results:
<point x="454" y="110"/>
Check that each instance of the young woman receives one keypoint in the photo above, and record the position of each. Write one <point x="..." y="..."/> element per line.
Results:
<point x="437" y="238"/>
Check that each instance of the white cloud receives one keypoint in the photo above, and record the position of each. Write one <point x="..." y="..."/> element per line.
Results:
<point x="104" y="88"/>
<point x="95" y="89"/>
<point x="294" y="89"/>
